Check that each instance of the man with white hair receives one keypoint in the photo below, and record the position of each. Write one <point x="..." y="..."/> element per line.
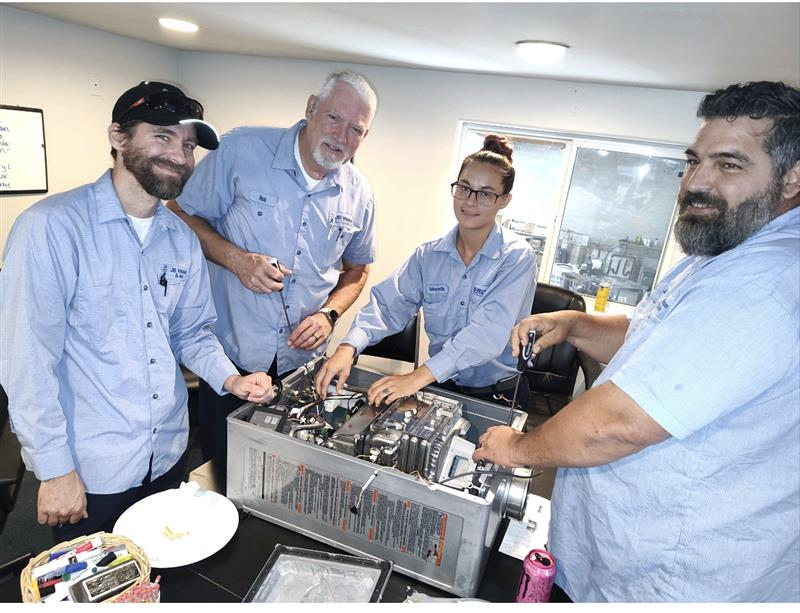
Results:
<point x="286" y="221"/>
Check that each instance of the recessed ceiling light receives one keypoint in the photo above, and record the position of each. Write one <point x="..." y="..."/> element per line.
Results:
<point x="177" y="24"/>
<point x="541" y="50"/>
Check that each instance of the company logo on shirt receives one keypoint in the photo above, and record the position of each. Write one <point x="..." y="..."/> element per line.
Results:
<point x="340" y="221"/>
<point x="438" y="290"/>
<point x="478" y="292"/>
<point x="174" y="273"/>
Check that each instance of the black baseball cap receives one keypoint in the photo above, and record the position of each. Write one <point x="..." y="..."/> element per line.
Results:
<point x="161" y="104"/>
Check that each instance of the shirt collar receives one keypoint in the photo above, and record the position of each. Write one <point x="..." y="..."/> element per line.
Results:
<point x="285" y="160"/>
<point x="492" y="248"/>
<point x="110" y="208"/>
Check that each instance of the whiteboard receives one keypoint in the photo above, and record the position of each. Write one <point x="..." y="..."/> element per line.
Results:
<point x="23" y="156"/>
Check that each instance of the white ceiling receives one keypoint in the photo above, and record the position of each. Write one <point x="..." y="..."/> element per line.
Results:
<point x="693" y="46"/>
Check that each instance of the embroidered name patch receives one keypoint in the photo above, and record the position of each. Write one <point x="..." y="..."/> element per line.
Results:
<point x="438" y="290"/>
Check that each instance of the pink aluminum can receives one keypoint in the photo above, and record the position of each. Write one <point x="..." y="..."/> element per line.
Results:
<point x="538" y="572"/>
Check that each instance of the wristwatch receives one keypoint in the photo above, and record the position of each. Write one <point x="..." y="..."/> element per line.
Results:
<point x="331" y="314"/>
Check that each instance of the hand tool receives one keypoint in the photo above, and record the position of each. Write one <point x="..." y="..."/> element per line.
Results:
<point x="525" y="354"/>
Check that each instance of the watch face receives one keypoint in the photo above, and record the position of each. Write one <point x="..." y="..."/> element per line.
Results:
<point x="333" y="315"/>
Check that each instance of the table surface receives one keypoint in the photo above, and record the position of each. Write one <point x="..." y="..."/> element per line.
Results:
<point x="227" y="575"/>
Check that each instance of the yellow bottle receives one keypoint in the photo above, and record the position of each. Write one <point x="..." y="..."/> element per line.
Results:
<point x="601" y="298"/>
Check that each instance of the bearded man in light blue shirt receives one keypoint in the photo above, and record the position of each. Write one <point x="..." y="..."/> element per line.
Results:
<point x="287" y="224"/>
<point x="104" y="293"/>
<point x="680" y="476"/>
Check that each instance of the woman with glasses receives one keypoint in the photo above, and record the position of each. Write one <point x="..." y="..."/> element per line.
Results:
<point x="473" y="285"/>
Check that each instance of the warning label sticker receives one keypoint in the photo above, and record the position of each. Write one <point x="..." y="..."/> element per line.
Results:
<point x="383" y="518"/>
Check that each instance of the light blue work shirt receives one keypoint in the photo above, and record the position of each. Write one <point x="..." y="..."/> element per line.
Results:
<point x="92" y="342"/>
<point x="712" y="513"/>
<point x="254" y="194"/>
<point x="469" y="310"/>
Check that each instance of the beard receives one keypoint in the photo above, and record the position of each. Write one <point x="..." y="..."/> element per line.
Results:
<point x="701" y="236"/>
<point x="331" y="160"/>
<point x="163" y="187"/>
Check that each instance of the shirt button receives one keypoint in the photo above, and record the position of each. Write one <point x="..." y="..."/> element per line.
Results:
<point x="280" y="330"/>
<point x="299" y="252"/>
<point x="155" y="430"/>
<point x="304" y="224"/>
<point x="149" y="324"/>
<point x="464" y="277"/>
<point x="462" y="303"/>
<point x="259" y="213"/>
<point x="155" y="396"/>
<point x="152" y="360"/>
<point x="293" y="280"/>
<point x="145" y="288"/>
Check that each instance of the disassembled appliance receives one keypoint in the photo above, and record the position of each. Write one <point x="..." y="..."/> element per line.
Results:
<point x="395" y="482"/>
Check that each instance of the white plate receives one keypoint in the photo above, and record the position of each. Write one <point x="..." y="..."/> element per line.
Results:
<point x="180" y="526"/>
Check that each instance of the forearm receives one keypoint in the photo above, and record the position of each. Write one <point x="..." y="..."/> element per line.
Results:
<point x="348" y="289"/>
<point x="600" y="337"/>
<point x="216" y="248"/>
<point x="600" y="426"/>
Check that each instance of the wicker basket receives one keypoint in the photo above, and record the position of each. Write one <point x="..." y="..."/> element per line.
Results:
<point x="31" y="593"/>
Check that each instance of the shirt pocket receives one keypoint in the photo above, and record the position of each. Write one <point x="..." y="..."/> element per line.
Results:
<point x="340" y="230"/>
<point x="102" y="315"/>
<point x="257" y="202"/>
<point x="435" y="306"/>
<point x="170" y="286"/>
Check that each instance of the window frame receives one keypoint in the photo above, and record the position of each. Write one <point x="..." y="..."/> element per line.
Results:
<point x="573" y="141"/>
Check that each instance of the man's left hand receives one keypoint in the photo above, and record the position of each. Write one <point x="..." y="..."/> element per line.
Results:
<point x="311" y="333"/>
<point x="253" y="388"/>
<point x="497" y="445"/>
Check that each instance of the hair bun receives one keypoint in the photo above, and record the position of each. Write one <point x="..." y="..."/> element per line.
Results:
<point x="498" y="144"/>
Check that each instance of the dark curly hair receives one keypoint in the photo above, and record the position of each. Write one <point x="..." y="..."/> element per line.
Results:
<point x="759" y="100"/>
<point x="496" y="152"/>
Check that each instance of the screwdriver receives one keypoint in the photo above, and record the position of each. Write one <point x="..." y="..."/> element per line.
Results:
<point x="525" y="354"/>
<point x="283" y="302"/>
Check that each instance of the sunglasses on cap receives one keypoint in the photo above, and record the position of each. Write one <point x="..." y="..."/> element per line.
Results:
<point x="170" y="102"/>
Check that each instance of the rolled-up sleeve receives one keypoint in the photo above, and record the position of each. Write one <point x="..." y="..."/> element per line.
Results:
<point x="672" y="385"/>
<point x="36" y="284"/>
<point x="361" y="248"/>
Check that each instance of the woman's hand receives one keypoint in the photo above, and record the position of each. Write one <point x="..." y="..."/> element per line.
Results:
<point x="388" y="389"/>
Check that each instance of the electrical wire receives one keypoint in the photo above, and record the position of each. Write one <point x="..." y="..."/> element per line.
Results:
<point x="489" y="472"/>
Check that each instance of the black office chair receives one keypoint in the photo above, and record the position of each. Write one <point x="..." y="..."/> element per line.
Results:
<point x="403" y="346"/>
<point x="552" y="377"/>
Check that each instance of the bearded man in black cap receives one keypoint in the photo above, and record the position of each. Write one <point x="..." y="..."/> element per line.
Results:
<point x="104" y="293"/>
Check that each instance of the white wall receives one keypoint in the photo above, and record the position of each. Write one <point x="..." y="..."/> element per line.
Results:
<point x="408" y="155"/>
<point x="45" y="63"/>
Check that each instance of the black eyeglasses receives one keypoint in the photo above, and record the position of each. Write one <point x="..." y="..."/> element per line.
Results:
<point x="483" y="197"/>
<point x="166" y="101"/>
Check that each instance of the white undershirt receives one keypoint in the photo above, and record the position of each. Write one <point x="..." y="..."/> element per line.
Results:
<point x="312" y="183"/>
<point x="141" y="225"/>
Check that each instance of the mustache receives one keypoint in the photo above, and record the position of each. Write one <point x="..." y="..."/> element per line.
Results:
<point x="334" y="143"/>
<point x="692" y="198"/>
<point x="180" y="168"/>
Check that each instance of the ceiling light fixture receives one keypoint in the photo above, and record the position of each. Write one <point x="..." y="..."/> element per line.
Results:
<point x="177" y="24"/>
<point x="541" y="50"/>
